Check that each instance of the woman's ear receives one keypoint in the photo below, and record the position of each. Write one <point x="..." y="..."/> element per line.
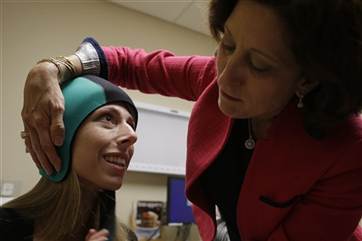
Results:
<point x="305" y="86"/>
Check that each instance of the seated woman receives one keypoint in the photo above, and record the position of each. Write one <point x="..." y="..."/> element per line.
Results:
<point x="78" y="203"/>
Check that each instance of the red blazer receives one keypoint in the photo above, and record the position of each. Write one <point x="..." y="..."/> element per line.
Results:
<point x="296" y="188"/>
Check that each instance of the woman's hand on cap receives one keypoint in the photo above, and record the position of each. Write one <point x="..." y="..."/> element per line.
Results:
<point x="42" y="115"/>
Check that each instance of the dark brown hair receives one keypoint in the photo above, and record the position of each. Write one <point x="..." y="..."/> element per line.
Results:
<point x="326" y="42"/>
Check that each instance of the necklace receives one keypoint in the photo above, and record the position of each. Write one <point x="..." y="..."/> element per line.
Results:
<point x="250" y="142"/>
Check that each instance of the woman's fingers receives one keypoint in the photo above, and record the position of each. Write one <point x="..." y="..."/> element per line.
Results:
<point x="40" y="155"/>
<point x="89" y="234"/>
<point x="43" y="127"/>
<point x="25" y="135"/>
<point x="45" y="149"/>
<point x="94" y="235"/>
<point x="57" y="130"/>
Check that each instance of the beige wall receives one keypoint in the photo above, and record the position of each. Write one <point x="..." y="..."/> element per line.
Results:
<point x="32" y="30"/>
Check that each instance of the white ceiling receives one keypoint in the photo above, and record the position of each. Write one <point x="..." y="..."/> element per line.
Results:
<point x="191" y="14"/>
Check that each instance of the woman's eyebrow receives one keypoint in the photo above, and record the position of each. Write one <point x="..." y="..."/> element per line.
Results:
<point x="117" y="111"/>
<point x="257" y="51"/>
<point x="265" y="55"/>
<point x="110" y="109"/>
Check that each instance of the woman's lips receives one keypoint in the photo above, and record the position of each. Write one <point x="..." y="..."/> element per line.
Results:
<point x="229" y="97"/>
<point x="117" y="168"/>
<point x="117" y="162"/>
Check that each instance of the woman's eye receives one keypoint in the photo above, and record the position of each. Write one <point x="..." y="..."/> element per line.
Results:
<point x="258" y="66"/>
<point x="227" y="48"/>
<point x="107" y="117"/>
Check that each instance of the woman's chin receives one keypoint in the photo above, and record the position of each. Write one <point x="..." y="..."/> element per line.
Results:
<point x="231" y="111"/>
<point x="112" y="186"/>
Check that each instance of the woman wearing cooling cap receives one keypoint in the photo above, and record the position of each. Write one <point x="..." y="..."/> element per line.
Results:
<point x="78" y="203"/>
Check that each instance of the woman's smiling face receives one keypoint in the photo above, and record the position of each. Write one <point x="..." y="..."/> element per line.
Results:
<point x="103" y="147"/>
<point x="257" y="72"/>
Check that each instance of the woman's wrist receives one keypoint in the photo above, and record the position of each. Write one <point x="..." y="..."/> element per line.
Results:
<point x="84" y="61"/>
<point x="76" y="67"/>
<point x="68" y="67"/>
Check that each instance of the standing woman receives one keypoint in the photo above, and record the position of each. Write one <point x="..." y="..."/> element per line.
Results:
<point x="78" y="203"/>
<point x="275" y="137"/>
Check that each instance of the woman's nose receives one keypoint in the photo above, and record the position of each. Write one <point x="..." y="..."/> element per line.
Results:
<point x="227" y="71"/>
<point x="126" y="137"/>
<point x="231" y="72"/>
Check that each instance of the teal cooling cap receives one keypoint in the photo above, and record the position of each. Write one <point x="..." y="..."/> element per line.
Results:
<point x="82" y="96"/>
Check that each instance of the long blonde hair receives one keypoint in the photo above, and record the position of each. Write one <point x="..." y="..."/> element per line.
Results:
<point x="58" y="209"/>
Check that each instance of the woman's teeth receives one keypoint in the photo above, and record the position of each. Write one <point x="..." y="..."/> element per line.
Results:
<point x="115" y="160"/>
